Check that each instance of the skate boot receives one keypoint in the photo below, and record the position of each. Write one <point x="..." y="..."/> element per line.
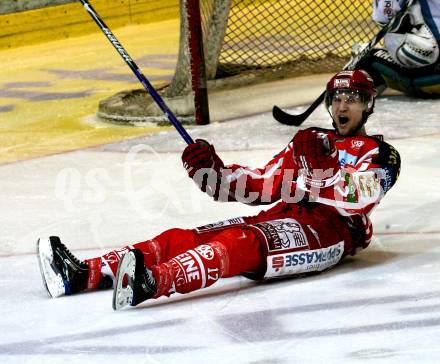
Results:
<point x="134" y="282"/>
<point x="62" y="273"/>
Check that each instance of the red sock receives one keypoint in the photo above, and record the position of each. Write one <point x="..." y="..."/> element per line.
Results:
<point x="102" y="270"/>
<point x="229" y="253"/>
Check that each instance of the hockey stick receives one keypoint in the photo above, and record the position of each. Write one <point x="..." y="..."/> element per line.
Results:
<point x="144" y="81"/>
<point x="296" y="120"/>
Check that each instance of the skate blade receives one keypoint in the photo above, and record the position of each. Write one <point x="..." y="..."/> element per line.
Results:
<point x="52" y="279"/>
<point x="123" y="296"/>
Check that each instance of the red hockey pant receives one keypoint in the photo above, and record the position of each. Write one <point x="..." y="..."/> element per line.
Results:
<point x="282" y="240"/>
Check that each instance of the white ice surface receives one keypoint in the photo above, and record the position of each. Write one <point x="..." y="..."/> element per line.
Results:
<point x="382" y="306"/>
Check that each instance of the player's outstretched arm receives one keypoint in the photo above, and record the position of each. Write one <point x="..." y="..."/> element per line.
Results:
<point x="234" y="182"/>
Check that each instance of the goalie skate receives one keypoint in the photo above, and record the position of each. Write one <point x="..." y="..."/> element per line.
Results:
<point x="134" y="282"/>
<point x="62" y="272"/>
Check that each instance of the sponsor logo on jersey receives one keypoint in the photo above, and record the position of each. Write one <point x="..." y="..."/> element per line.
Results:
<point x="221" y="224"/>
<point x="393" y="157"/>
<point x="283" y="234"/>
<point x="357" y="144"/>
<point x="368" y="186"/>
<point x="303" y="262"/>
<point x="350" y="189"/>
<point x="347" y="158"/>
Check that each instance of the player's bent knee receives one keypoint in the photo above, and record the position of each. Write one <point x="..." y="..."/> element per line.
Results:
<point x="167" y="245"/>
<point x="243" y="249"/>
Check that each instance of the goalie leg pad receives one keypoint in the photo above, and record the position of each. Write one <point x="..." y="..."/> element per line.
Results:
<point x="423" y="82"/>
<point x="428" y="86"/>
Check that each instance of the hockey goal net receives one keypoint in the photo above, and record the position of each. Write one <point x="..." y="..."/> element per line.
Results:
<point x="246" y="41"/>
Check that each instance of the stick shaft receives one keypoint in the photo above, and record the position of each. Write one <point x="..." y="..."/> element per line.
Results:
<point x="143" y="80"/>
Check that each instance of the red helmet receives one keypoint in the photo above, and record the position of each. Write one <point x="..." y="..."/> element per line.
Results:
<point x="357" y="80"/>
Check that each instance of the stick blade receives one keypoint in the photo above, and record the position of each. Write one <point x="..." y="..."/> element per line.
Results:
<point x="296" y="120"/>
<point x="287" y="119"/>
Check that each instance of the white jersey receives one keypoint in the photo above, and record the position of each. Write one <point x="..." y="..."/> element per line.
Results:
<point x="384" y="10"/>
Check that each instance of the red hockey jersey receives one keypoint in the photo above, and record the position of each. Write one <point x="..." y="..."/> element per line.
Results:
<point x="369" y="168"/>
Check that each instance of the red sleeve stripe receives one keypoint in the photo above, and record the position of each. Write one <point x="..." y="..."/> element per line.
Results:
<point x="234" y="176"/>
<point x="368" y="155"/>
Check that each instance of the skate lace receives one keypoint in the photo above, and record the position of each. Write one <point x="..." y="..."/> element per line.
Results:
<point x="71" y="256"/>
<point x="150" y="278"/>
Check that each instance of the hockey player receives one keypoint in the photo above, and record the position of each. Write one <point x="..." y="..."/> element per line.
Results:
<point x="409" y="62"/>
<point x="326" y="181"/>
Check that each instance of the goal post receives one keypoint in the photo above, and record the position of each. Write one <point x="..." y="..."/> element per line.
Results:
<point x="232" y="43"/>
<point x="197" y="62"/>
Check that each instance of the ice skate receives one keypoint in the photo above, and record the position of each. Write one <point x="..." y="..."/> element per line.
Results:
<point x="62" y="272"/>
<point x="134" y="282"/>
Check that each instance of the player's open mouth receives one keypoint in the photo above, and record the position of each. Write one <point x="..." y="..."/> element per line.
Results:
<point x="343" y="120"/>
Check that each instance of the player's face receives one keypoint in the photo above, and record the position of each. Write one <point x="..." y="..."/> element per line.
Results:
<point x="347" y="111"/>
